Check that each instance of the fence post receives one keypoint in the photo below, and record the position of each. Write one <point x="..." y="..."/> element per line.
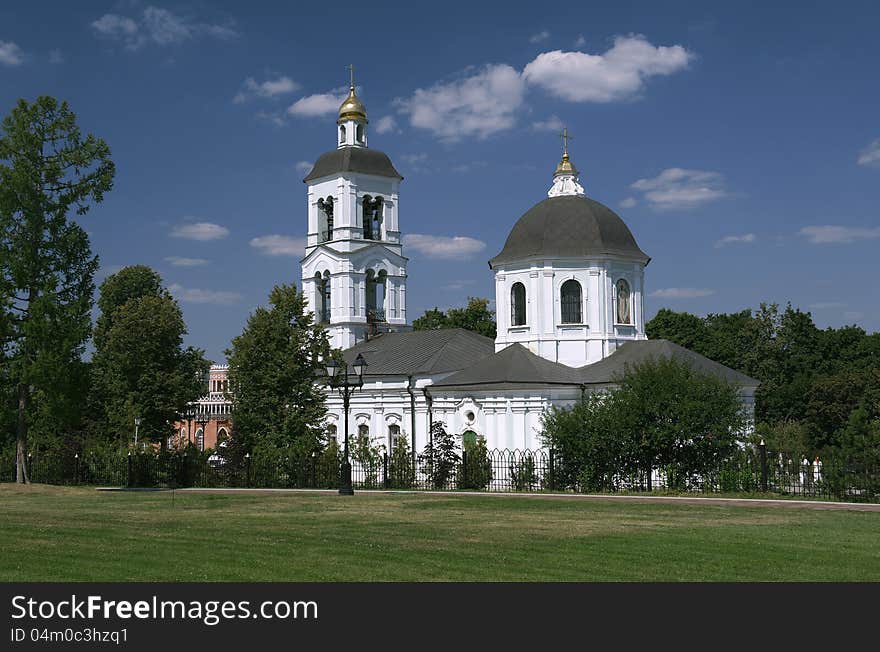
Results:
<point x="76" y="468"/>
<point x="129" y="477"/>
<point x="763" y="448"/>
<point x="551" y="485"/>
<point x="385" y="469"/>
<point x="247" y="469"/>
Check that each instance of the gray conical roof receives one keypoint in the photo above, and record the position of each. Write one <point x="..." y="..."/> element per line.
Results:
<point x="569" y="227"/>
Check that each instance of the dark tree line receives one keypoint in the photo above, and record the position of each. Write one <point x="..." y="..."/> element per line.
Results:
<point x="820" y="388"/>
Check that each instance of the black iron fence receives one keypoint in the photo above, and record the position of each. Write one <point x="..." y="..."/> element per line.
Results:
<point x="753" y="470"/>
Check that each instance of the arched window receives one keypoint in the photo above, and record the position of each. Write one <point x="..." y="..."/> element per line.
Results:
<point x="200" y="439"/>
<point x="570" y="298"/>
<point x="363" y="430"/>
<point x="393" y="435"/>
<point x="360" y="134"/>
<point x="375" y="291"/>
<point x="323" y="303"/>
<point x="222" y="436"/>
<point x="331" y="432"/>
<point x="372" y="210"/>
<point x="341" y="134"/>
<point x="325" y="225"/>
<point x="624" y="315"/>
<point x="518" y="304"/>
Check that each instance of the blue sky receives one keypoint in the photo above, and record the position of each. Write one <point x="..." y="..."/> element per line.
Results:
<point x="739" y="141"/>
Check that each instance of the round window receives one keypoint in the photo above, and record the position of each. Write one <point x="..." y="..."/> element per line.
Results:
<point x="469" y="416"/>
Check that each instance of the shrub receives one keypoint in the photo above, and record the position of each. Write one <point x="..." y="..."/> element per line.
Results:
<point x="369" y="457"/>
<point x="522" y="473"/>
<point x="440" y="457"/>
<point x="476" y="468"/>
<point x="401" y="472"/>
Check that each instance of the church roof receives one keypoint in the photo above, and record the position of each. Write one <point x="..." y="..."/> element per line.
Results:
<point x="516" y="367"/>
<point x="511" y="368"/>
<point x="353" y="159"/>
<point x="569" y="227"/>
<point x="632" y="353"/>
<point x="421" y="352"/>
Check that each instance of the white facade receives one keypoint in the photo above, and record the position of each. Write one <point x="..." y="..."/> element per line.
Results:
<point x="354" y="271"/>
<point x="545" y="333"/>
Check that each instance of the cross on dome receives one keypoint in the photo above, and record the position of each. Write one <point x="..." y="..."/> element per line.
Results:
<point x="565" y="179"/>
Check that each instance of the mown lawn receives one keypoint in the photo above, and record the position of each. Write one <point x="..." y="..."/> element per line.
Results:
<point x="79" y="534"/>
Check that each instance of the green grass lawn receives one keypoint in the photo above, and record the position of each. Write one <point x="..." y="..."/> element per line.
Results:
<point x="79" y="534"/>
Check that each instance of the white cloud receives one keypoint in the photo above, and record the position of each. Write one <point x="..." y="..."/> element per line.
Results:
<point x="199" y="231"/>
<point x="274" y="117"/>
<point x="682" y="293"/>
<point x="828" y="234"/>
<point x="826" y="305"/>
<point x="158" y="25"/>
<point x="10" y="54"/>
<point x="318" y="105"/>
<point x="56" y="56"/>
<point x="540" y="36"/>
<point x="478" y="106"/>
<point x="470" y="167"/>
<point x="279" y="245"/>
<point x="677" y="188"/>
<point x="458" y="285"/>
<point x="629" y="202"/>
<point x="303" y="166"/>
<point x="580" y="41"/>
<point x="553" y="123"/>
<point x="618" y="74"/>
<point x="386" y="124"/>
<point x="267" y="89"/>
<point x="871" y="154"/>
<point x="441" y="247"/>
<point x="180" y="261"/>
<point x="195" y="295"/>
<point x="736" y="239"/>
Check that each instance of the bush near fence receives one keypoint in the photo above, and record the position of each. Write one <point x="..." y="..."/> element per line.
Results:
<point x="751" y="470"/>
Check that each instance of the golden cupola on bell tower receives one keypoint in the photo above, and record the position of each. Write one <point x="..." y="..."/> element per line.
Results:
<point x="352" y="120"/>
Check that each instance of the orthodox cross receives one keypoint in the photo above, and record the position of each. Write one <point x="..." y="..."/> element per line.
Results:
<point x="351" y="73"/>
<point x="565" y="138"/>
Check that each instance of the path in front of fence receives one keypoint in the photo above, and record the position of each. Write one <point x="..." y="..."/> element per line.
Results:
<point x="686" y="500"/>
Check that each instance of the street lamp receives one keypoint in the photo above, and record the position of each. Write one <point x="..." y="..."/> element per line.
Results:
<point x="137" y="423"/>
<point x="338" y="379"/>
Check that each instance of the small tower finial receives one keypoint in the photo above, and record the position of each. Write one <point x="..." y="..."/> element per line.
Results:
<point x="565" y="179"/>
<point x="351" y="75"/>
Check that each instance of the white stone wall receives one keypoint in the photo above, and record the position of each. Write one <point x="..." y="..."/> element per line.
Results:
<point x="544" y="333"/>
<point x="347" y="256"/>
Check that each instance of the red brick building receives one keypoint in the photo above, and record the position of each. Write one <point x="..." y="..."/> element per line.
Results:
<point x="209" y="420"/>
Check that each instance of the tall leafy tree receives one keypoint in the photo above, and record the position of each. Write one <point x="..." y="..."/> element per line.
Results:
<point x="47" y="169"/>
<point x="141" y="367"/>
<point x="475" y="317"/>
<point x="272" y="366"/>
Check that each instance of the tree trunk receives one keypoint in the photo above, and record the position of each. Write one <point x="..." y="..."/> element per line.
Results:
<point x="21" y="473"/>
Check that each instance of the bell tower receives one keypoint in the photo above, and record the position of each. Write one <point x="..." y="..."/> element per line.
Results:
<point x="354" y="270"/>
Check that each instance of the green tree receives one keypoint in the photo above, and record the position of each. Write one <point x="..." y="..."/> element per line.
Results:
<point x="47" y="169"/>
<point x="440" y="456"/>
<point x="272" y="373"/>
<point x="662" y="413"/>
<point x="141" y="367"/>
<point x="475" y="317"/>
<point x="132" y="282"/>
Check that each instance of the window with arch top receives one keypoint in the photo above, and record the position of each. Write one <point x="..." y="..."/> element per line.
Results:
<point x="518" y="304"/>
<point x="571" y="299"/>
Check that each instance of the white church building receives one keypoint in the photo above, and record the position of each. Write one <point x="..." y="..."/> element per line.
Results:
<point x="569" y="296"/>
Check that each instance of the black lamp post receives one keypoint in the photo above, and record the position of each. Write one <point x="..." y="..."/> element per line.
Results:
<point x="338" y="379"/>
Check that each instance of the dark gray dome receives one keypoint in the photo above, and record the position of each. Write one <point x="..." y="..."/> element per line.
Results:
<point x="569" y="227"/>
<point x="353" y="159"/>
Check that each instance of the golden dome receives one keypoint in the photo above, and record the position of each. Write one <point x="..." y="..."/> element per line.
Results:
<point x="565" y="167"/>
<point x="352" y="109"/>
